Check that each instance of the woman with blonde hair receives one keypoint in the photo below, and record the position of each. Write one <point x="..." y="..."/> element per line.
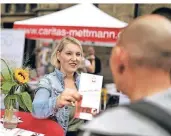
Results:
<point x="57" y="92"/>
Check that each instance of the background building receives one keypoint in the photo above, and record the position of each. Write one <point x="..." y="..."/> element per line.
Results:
<point x="125" y="12"/>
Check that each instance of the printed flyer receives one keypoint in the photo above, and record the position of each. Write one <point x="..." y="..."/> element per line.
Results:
<point x="90" y="88"/>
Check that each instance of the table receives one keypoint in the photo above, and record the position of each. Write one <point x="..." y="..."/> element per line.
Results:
<point x="44" y="126"/>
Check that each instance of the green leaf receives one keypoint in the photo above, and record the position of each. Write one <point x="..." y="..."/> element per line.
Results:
<point x="4" y="64"/>
<point x="6" y="74"/>
<point x="8" y="99"/>
<point x="22" y="88"/>
<point x="21" y="103"/>
<point x="6" y="86"/>
<point x="27" y="100"/>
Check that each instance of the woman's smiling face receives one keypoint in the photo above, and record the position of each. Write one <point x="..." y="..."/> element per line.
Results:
<point x="70" y="58"/>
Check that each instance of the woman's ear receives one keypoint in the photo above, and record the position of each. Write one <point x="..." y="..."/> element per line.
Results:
<point x="58" y="55"/>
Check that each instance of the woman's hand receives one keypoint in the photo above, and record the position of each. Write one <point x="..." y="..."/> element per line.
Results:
<point x="68" y="97"/>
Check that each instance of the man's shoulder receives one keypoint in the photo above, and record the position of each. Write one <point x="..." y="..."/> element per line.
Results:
<point x="121" y="121"/>
<point x="110" y="116"/>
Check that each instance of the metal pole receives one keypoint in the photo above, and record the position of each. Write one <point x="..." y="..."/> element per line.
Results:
<point x="136" y="10"/>
<point x="28" y="51"/>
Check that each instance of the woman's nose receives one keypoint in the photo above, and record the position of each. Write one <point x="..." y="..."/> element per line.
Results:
<point x="74" y="57"/>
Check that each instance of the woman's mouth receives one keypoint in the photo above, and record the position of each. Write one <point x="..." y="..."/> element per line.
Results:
<point x="73" y="64"/>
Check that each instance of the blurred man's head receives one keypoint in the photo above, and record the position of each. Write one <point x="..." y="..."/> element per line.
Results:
<point x="143" y="49"/>
<point x="91" y="50"/>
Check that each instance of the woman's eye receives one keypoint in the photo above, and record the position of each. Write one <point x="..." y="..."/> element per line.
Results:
<point x="78" y="54"/>
<point x="68" y="53"/>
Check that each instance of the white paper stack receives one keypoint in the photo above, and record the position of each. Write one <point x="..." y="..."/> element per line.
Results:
<point x="17" y="132"/>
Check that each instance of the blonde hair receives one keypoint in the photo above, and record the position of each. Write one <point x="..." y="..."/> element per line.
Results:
<point x="60" y="46"/>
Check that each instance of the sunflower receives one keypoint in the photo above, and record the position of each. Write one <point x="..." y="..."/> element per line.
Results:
<point x="21" y="75"/>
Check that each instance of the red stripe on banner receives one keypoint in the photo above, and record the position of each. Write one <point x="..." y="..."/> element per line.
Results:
<point x="95" y="34"/>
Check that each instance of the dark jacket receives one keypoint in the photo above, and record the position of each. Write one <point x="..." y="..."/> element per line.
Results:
<point x="97" y="65"/>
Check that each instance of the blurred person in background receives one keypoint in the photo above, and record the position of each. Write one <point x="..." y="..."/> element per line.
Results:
<point x="92" y="57"/>
<point x="141" y="64"/>
<point x="40" y="70"/>
<point x="46" y="52"/>
<point x="57" y="92"/>
<point x="86" y="65"/>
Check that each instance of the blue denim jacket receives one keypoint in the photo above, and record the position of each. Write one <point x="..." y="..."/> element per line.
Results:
<point x="44" y="104"/>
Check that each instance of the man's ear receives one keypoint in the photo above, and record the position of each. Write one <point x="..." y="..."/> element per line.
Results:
<point x="121" y="68"/>
<point x="117" y="54"/>
<point x="114" y="58"/>
<point x="120" y="59"/>
<point x="123" y="60"/>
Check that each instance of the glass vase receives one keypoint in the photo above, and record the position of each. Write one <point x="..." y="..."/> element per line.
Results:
<point x="10" y="119"/>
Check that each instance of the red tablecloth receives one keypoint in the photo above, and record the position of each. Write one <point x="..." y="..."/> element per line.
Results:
<point x="44" y="126"/>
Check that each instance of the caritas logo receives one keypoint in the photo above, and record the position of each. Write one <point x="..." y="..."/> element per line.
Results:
<point x="93" y="79"/>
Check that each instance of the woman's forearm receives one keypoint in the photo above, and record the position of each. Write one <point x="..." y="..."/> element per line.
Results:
<point x="43" y="105"/>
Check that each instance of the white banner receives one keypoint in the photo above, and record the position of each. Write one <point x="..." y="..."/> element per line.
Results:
<point x="12" y="46"/>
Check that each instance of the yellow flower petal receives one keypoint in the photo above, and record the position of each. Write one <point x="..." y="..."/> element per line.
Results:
<point x="21" y="75"/>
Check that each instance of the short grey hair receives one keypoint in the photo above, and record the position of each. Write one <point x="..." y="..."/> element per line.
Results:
<point x="60" y="46"/>
<point x="149" y="46"/>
